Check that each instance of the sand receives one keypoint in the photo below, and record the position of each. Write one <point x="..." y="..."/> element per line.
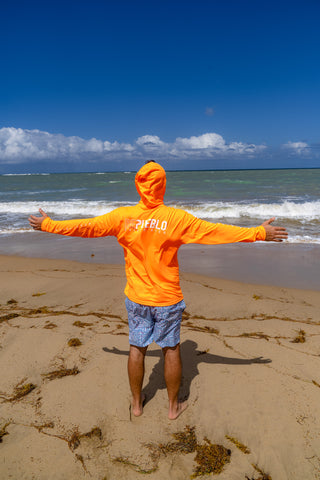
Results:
<point x="251" y="376"/>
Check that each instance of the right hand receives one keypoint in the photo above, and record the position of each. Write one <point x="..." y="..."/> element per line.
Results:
<point x="273" y="233"/>
<point x="36" y="222"/>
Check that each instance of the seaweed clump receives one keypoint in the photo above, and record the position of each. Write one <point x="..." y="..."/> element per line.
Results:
<point x="209" y="457"/>
<point x="9" y="316"/>
<point x="264" y="476"/>
<point x="21" y="391"/>
<point x="137" y="468"/>
<point x="204" y="329"/>
<point x="75" y="439"/>
<point x="186" y="442"/>
<point x="50" y="326"/>
<point x="62" y="372"/>
<point x="80" y="324"/>
<point x="94" y="432"/>
<point x="300" y="338"/>
<point x="239" y="445"/>
<point x="12" y="301"/>
<point x="74" y="342"/>
<point x="3" y="431"/>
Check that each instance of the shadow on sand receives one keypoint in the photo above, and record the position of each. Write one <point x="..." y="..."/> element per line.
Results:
<point x="191" y="358"/>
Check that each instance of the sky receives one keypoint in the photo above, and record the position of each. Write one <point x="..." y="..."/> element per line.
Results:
<point x="206" y="84"/>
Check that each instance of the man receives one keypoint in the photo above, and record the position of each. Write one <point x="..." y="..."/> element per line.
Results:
<point x="151" y="234"/>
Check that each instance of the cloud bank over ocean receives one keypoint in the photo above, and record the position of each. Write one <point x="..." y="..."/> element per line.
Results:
<point x="21" y="146"/>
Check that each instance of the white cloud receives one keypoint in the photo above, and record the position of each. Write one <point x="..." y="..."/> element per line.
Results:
<point x="245" y="148"/>
<point x="214" y="145"/>
<point x="117" y="147"/>
<point x="94" y="145"/>
<point x="19" y="146"/>
<point x="150" y="141"/>
<point x="208" y="140"/>
<point x="297" y="147"/>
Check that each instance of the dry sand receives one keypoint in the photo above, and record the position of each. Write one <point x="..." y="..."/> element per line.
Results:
<point x="251" y="376"/>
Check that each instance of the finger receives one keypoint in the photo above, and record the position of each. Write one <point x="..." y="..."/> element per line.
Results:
<point x="33" y="221"/>
<point x="34" y="225"/>
<point x="42" y="212"/>
<point x="280" y="229"/>
<point x="270" y="220"/>
<point x="281" y="234"/>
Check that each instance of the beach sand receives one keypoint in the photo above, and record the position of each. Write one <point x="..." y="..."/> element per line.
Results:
<point x="251" y="376"/>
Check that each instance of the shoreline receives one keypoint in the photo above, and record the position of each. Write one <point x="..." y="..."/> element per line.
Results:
<point x="282" y="264"/>
<point x="62" y="264"/>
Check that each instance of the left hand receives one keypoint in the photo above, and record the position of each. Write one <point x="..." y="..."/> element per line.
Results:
<point x="274" y="234"/>
<point x="36" y="222"/>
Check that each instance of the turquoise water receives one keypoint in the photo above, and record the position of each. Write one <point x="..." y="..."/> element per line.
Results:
<point x="244" y="197"/>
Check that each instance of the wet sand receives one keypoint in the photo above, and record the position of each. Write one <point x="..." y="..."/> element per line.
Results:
<point x="278" y="264"/>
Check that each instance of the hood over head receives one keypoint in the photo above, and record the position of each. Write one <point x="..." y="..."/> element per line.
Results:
<point x="151" y="184"/>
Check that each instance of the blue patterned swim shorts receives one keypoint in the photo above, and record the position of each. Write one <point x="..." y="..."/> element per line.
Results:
<point x="154" y="324"/>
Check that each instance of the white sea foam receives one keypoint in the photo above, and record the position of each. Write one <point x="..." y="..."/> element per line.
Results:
<point x="11" y="231"/>
<point x="303" y="239"/>
<point x="68" y="208"/>
<point x="38" y="192"/>
<point x="289" y="210"/>
<point x="302" y="212"/>
<point x="22" y="174"/>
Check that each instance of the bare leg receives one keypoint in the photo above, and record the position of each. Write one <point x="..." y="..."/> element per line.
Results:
<point x="172" y="375"/>
<point x="136" y="374"/>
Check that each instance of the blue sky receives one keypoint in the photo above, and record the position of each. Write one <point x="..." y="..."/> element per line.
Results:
<point x="104" y="85"/>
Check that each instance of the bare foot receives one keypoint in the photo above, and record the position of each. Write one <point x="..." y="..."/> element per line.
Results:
<point x="137" y="410"/>
<point x="174" y="413"/>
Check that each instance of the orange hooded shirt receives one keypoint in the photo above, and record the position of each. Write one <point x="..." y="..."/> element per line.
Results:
<point x="151" y="234"/>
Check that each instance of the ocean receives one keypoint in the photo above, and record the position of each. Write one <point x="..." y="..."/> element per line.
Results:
<point x="242" y="197"/>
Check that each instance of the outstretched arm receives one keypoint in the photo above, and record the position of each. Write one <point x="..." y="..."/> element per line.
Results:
<point x="195" y="230"/>
<point x="273" y="233"/>
<point x="100" y="226"/>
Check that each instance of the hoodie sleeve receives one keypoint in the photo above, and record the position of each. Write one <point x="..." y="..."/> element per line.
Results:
<point x="195" y="230"/>
<point x="102" y="226"/>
